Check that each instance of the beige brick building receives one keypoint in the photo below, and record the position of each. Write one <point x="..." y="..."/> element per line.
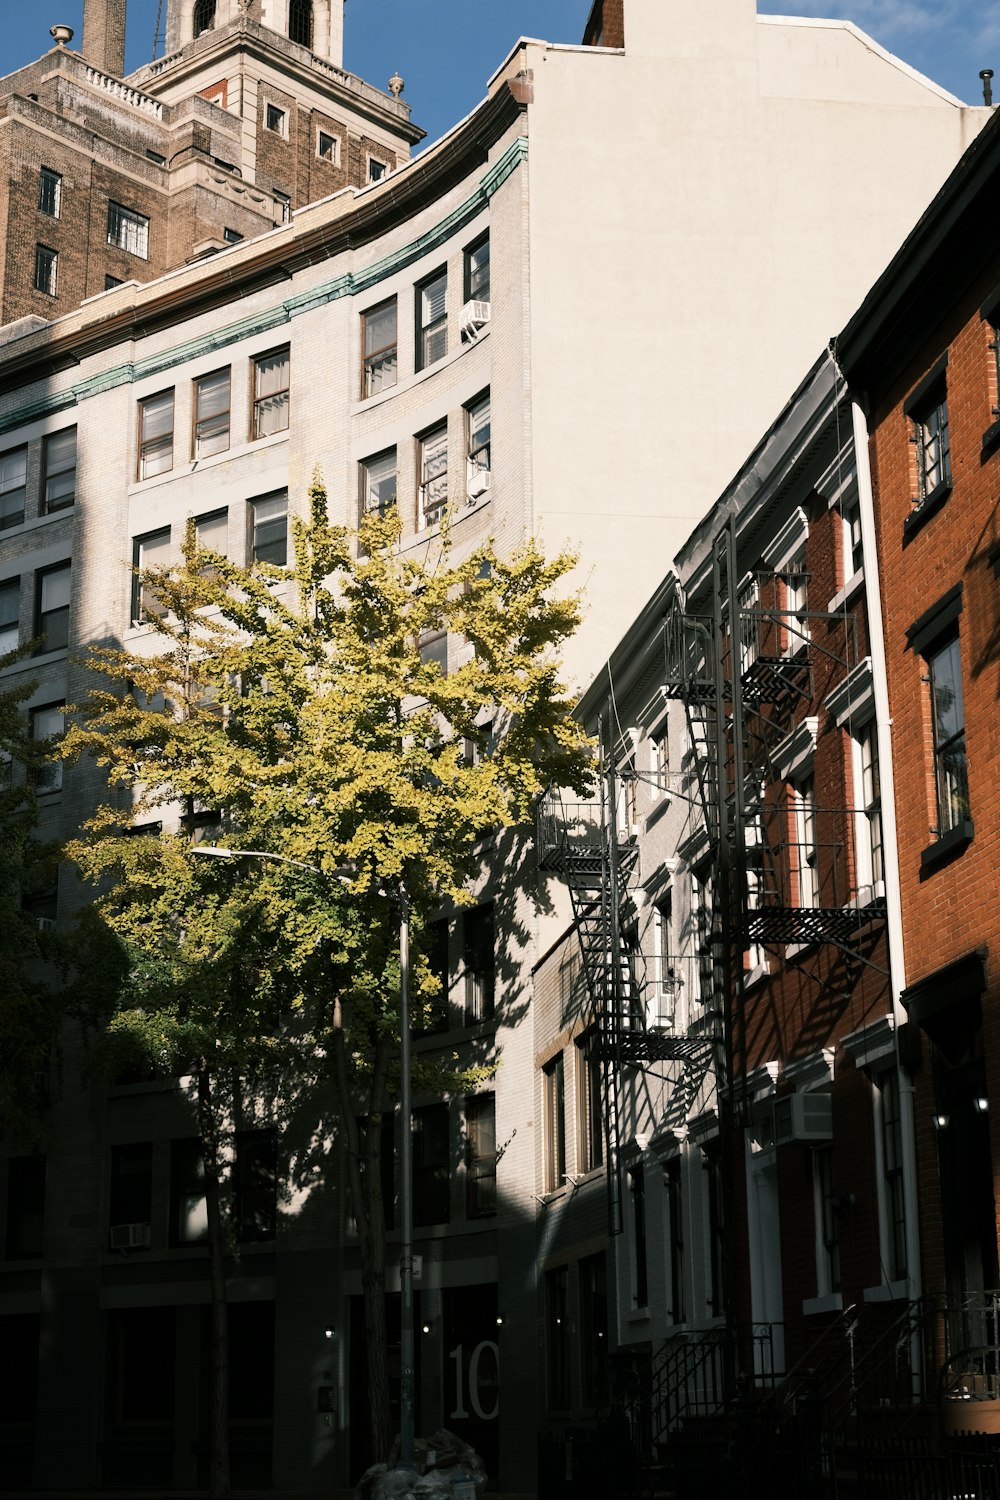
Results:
<point x="571" y="316"/>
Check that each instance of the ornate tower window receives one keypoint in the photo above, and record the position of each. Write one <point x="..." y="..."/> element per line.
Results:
<point x="204" y="16"/>
<point x="300" y="22"/>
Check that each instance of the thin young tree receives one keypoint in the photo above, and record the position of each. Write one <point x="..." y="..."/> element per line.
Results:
<point x="298" y="707"/>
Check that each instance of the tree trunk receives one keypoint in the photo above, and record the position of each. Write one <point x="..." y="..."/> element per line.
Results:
<point x="366" y="1202"/>
<point x="218" y="1483"/>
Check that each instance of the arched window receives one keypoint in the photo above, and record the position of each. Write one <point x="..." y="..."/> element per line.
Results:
<point x="300" y="22"/>
<point x="204" y="16"/>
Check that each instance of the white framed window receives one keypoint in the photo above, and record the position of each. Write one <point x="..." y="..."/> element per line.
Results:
<point x="128" y="230"/>
<point x="588" y="1073"/>
<point x="889" y="1157"/>
<point x="156" y="435"/>
<point x="478" y="463"/>
<point x="554" y="1120"/>
<point x="701" y="933"/>
<point x="666" y="968"/>
<point x="755" y="956"/>
<point x="212" y="531"/>
<point x="284" y="203"/>
<point x="931" y="439"/>
<point x="379" y="481"/>
<point x="49" y="192"/>
<point x="476" y="265"/>
<point x="433" y="492"/>
<point x="376" y="169"/>
<point x="868" y="860"/>
<point x="852" y="549"/>
<point x="795" y="603"/>
<point x="805" y="848"/>
<point x="46" y="270"/>
<point x="659" y="764"/>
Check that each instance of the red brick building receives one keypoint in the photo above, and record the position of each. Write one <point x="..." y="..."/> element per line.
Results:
<point x="922" y="357"/>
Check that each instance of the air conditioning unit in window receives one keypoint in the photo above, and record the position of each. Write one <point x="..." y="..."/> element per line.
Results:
<point x="479" y="483"/>
<point x="131" y="1236"/>
<point x="474" y="315"/>
<point x="802" y="1118"/>
<point x="46" y="924"/>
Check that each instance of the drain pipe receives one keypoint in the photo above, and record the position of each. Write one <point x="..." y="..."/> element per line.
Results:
<point x="894" y="923"/>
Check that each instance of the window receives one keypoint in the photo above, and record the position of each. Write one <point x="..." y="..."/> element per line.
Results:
<point x="557" y="1340"/>
<point x="436" y="1007"/>
<point x="376" y="169"/>
<point x="204" y="16"/>
<point x="806" y="851"/>
<point x="380" y="362"/>
<point x="269" y="529"/>
<point x="212" y="532"/>
<point x="479" y="963"/>
<point x="434" y="651"/>
<point x="47" y="724"/>
<point x="327" y="147"/>
<point x="666" y="974"/>
<point x="430" y="1165"/>
<point x="59" y="470"/>
<point x="25" y="1207"/>
<point x="712" y="1158"/>
<point x="553" y="1114"/>
<point x="701" y="933"/>
<point x="481" y="1156"/>
<point x="825" y="1206"/>
<point x="591" y="1115"/>
<point x="131" y="1188"/>
<point x="478" y="466"/>
<point x="10" y="610"/>
<point x="300" y="22"/>
<point x="944" y="670"/>
<point x="276" y="119"/>
<point x="140" y="1344"/>
<point x="432" y="320"/>
<point x="928" y="414"/>
<point x="46" y="268"/>
<point x="256" y="1185"/>
<point x="378" y="483"/>
<point x="675" y="1217"/>
<point x="232" y="236"/>
<point x="868" y="812"/>
<point x="52" y="586"/>
<point x="433" y="494"/>
<point x="593" y="1330"/>
<point x="891" y="1164"/>
<point x="284" y="203"/>
<point x="659" y="764"/>
<point x="156" y="434"/>
<point x="853" y="551"/>
<point x="13" y="474"/>
<point x="188" y="1209"/>
<point x="477" y="271"/>
<point x="110" y="282"/>
<point x="211" y="414"/>
<point x="271" y="373"/>
<point x="49" y="192"/>
<point x="149" y="551"/>
<point x="795" y="589"/>
<point x="992" y="315"/>
<point x="128" y="230"/>
<point x="637" y="1193"/>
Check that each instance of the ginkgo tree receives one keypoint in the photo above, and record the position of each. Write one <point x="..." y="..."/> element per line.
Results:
<point x="297" y="711"/>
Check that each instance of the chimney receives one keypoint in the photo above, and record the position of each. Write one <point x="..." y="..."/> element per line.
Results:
<point x="104" y="35"/>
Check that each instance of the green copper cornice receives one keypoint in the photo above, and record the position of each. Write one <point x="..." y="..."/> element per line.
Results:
<point x="348" y="284"/>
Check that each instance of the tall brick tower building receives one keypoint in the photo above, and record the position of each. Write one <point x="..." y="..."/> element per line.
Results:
<point x="247" y="117"/>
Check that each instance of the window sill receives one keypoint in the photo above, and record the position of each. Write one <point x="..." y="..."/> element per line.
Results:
<point x="950" y="844"/>
<point x="843" y="596"/>
<point x="924" y="509"/>
<point x="991" y="441"/>
<point x="892" y="1291"/>
<point x="755" y="975"/>
<point x="416" y="377"/>
<point x="659" y="808"/>
<point x="830" y="1302"/>
<point x="637" y="1315"/>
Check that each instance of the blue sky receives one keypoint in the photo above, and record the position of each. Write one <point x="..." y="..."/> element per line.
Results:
<point x="446" y="49"/>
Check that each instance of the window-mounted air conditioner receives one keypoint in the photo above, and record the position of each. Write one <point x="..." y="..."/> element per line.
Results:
<point x="474" y="315"/>
<point x="131" y="1236"/>
<point x="802" y="1118"/>
<point x="46" y="924"/>
<point x="479" y="483"/>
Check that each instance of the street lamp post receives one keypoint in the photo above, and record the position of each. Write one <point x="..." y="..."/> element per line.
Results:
<point x="407" y="1427"/>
